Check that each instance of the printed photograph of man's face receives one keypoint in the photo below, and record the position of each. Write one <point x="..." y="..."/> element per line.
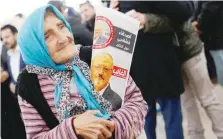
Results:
<point x="101" y="33"/>
<point x="101" y="71"/>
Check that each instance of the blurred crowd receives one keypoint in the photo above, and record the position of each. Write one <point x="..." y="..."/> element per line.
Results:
<point x="178" y="60"/>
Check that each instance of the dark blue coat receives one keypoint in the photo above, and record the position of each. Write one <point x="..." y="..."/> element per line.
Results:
<point x="21" y="66"/>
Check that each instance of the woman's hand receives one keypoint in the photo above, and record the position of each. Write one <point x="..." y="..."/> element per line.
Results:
<point x="89" y="126"/>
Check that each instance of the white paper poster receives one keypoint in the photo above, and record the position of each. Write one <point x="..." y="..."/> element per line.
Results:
<point x="113" y="47"/>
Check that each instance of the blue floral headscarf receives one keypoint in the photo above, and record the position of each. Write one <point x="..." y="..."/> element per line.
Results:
<point x="36" y="55"/>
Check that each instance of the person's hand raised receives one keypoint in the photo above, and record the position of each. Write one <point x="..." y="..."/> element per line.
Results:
<point x="88" y="126"/>
<point x="138" y="16"/>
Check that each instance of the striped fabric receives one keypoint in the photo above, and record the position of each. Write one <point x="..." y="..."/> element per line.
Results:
<point x="131" y="115"/>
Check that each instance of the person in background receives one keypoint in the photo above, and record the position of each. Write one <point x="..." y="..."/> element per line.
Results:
<point x="157" y="68"/>
<point x="62" y="79"/>
<point x="210" y="25"/>
<point x="80" y="33"/>
<point x="3" y="52"/>
<point x="210" y="61"/>
<point x="11" y="123"/>
<point x="72" y="13"/>
<point x="4" y="68"/>
<point x="88" y="15"/>
<point x="198" y="85"/>
<point x="15" y="61"/>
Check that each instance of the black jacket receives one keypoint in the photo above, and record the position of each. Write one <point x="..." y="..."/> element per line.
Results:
<point x="12" y="126"/>
<point x="113" y="98"/>
<point x="11" y="123"/>
<point x="80" y="33"/>
<point x="4" y="57"/>
<point x="210" y="24"/>
<point x="90" y="25"/>
<point x="197" y="10"/>
<point x="155" y="66"/>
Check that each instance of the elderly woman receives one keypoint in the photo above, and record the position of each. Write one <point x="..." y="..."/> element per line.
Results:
<point x="56" y="96"/>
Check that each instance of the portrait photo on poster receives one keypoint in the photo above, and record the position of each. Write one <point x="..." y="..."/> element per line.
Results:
<point x="102" y="69"/>
<point x="113" y="48"/>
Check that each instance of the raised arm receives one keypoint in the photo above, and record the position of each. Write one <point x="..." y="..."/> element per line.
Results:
<point x="155" y="23"/>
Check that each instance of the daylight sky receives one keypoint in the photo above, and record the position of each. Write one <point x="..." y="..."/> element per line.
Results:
<point x="9" y="8"/>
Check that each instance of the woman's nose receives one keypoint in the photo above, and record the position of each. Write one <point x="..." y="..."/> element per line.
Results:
<point x="62" y="38"/>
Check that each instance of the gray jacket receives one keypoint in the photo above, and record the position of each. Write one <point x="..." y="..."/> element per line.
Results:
<point x="190" y="43"/>
<point x="186" y="38"/>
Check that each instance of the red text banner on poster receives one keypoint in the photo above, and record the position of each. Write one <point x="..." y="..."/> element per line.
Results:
<point x="119" y="72"/>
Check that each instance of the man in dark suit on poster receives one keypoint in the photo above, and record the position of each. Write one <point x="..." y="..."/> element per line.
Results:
<point x="101" y="72"/>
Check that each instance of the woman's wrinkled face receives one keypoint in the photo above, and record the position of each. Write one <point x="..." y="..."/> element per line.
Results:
<point x="58" y="39"/>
